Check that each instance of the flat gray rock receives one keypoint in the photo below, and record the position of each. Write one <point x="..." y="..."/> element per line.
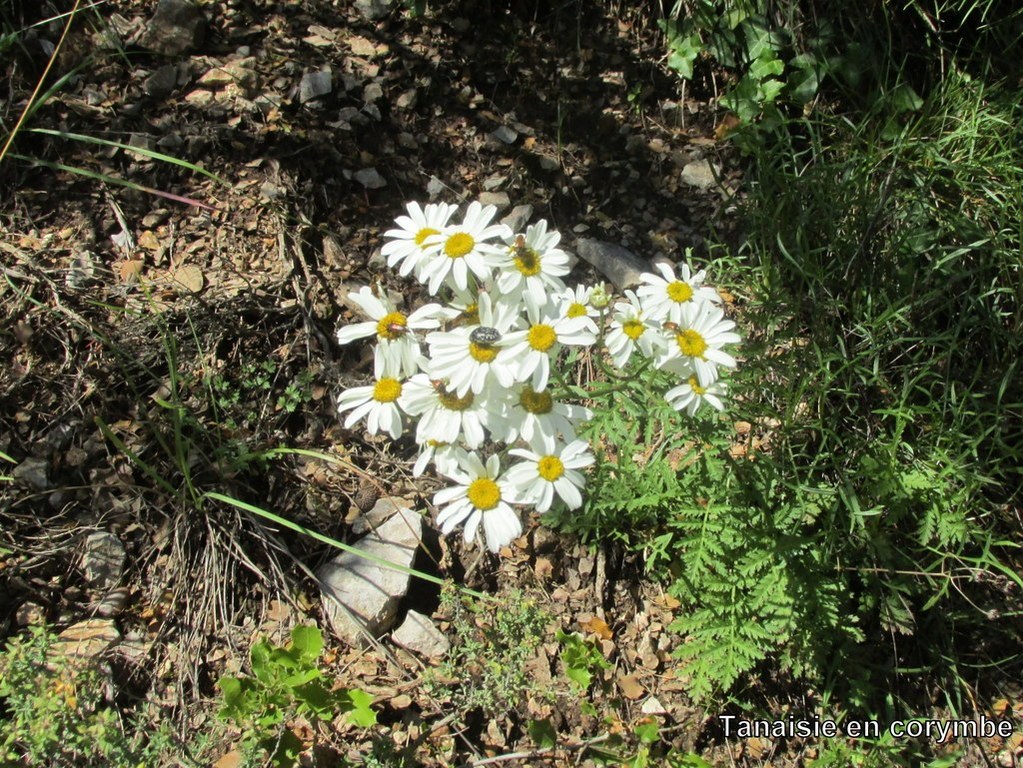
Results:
<point x="619" y="265"/>
<point x="701" y="174"/>
<point x="162" y="81"/>
<point x="499" y="200"/>
<point x="315" y="84"/>
<point x="417" y="633"/>
<point x="382" y="510"/>
<point x="517" y="220"/>
<point x="374" y="10"/>
<point x="503" y="135"/>
<point x="177" y="26"/>
<point x="370" y="178"/>
<point x="103" y="561"/>
<point x="369" y="591"/>
<point x="34" y="472"/>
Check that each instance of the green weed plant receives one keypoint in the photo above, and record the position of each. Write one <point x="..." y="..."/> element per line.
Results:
<point x="485" y="669"/>
<point x="55" y="712"/>
<point x="287" y="683"/>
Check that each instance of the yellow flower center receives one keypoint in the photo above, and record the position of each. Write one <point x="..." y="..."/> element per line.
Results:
<point x="470" y="315"/>
<point x="424" y="233"/>
<point x="527" y="261"/>
<point x="453" y="402"/>
<point x="387" y="390"/>
<point x="633" y="328"/>
<point x="391" y="326"/>
<point x="458" y="245"/>
<point x="679" y="292"/>
<point x="550" y="468"/>
<point x="482" y="353"/>
<point x="541" y="337"/>
<point x="696" y="386"/>
<point x="536" y="402"/>
<point x="484" y="493"/>
<point x="576" y="309"/>
<point x="691" y="343"/>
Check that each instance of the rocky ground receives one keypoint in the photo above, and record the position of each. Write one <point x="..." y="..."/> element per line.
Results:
<point x="158" y="337"/>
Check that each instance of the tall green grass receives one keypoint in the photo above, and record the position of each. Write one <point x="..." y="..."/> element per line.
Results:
<point x="888" y="277"/>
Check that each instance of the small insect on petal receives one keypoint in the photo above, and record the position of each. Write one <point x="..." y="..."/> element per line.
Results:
<point x="485" y="335"/>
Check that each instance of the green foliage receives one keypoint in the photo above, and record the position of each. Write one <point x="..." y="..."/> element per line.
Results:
<point x="887" y="293"/>
<point x="883" y="752"/>
<point x="286" y="683"/>
<point x="56" y="713"/>
<point x="881" y="376"/>
<point x="581" y="659"/>
<point x="485" y="669"/>
<point x="637" y="439"/>
<point x="783" y="54"/>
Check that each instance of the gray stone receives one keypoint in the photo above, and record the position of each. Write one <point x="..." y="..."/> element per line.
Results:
<point x="417" y="633"/>
<point x="407" y="100"/>
<point x="494" y="183"/>
<point x="238" y="74"/>
<point x="372" y="92"/>
<point x="103" y="561"/>
<point x="35" y="472"/>
<point x="619" y="265"/>
<point x="504" y="135"/>
<point x="653" y="707"/>
<point x="178" y="26"/>
<point x="170" y="141"/>
<point x="87" y="639"/>
<point x="435" y="187"/>
<point x="499" y="200"/>
<point x="374" y="10"/>
<point x="382" y="510"/>
<point x="701" y="174"/>
<point x="63" y="432"/>
<point x="518" y="218"/>
<point x="30" y="613"/>
<point x="162" y="82"/>
<point x="370" y="178"/>
<point x="370" y="592"/>
<point x="315" y="84"/>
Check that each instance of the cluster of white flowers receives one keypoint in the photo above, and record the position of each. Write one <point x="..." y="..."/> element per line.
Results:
<point x="475" y="370"/>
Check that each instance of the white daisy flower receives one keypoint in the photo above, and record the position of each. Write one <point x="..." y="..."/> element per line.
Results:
<point x="664" y="297"/>
<point x="690" y="395"/>
<point x="444" y="416"/>
<point x="481" y="495"/>
<point x="629" y="330"/>
<point x="533" y="348"/>
<point x="468" y="356"/>
<point x="406" y="245"/>
<point x="696" y="341"/>
<point x="378" y="403"/>
<point x="442" y="455"/>
<point x="576" y="302"/>
<point x="528" y="413"/>
<point x="549" y="469"/>
<point x="532" y="266"/>
<point x="462" y="249"/>
<point x="392" y="329"/>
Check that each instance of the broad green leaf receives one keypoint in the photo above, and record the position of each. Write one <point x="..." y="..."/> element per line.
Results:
<point x="542" y="733"/>
<point x="360" y="713"/>
<point x="308" y="641"/>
